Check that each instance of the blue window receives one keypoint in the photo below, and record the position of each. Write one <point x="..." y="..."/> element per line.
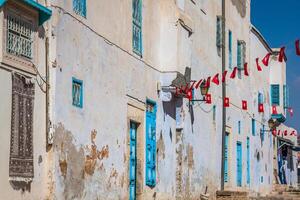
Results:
<point x="253" y="127"/>
<point x="239" y="165"/>
<point x="79" y="7"/>
<point x="248" y="160"/>
<point x="260" y="98"/>
<point x="262" y="134"/>
<point x="285" y="96"/>
<point x="230" y="48"/>
<point x="137" y="27"/>
<point x="132" y="161"/>
<point x="239" y="127"/>
<point x="77" y="92"/>
<point x="219" y="34"/>
<point x="226" y="157"/>
<point x="150" y="143"/>
<point x="275" y="95"/>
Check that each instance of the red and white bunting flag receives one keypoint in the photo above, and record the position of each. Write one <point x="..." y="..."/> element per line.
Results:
<point x="291" y="111"/>
<point x="266" y="59"/>
<point x="226" y="102"/>
<point x="279" y="132"/>
<point x="274" y="110"/>
<point x="233" y="74"/>
<point x="282" y="56"/>
<point x="216" y="79"/>
<point x="257" y="65"/>
<point x="198" y="84"/>
<point x="274" y="132"/>
<point x="244" y="105"/>
<point x="246" y="72"/>
<point x="208" y="82"/>
<point x="261" y="108"/>
<point x="297" y="44"/>
<point x="293" y="133"/>
<point x="208" y="99"/>
<point x="224" y="76"/>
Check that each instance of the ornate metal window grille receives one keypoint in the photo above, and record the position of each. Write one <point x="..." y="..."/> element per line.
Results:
<point x="77" y="97"/>
<point x="19" y="40"/>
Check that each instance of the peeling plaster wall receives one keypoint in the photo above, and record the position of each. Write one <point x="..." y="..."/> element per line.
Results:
<point x="91" y="144"/>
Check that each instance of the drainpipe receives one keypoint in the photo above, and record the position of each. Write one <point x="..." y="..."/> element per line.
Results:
<point x="223" y="96"/>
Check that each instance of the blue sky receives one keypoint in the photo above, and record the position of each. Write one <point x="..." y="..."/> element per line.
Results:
<point x="279" y="23"/>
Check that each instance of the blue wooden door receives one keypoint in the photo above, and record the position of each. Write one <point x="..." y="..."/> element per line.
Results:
<point x="132" y="161"/>
<point x="239" y="164"/>
<point x="226" y="157"/>
<point x="150" y="143"/>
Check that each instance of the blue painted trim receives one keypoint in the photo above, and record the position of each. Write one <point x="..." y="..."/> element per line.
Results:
<point x="280" y="117"/>
<point x="44" y="12"/>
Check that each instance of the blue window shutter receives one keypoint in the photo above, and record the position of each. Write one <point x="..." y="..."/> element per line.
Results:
<point x="285" y="96"/>
<point x="275" y="95"/>
<point x="253" y="127"/>
<point x="239" y="55"/>
<point x="219" y="34"/>
<point x="260" y="98"/>
<point x="230" y="49"/>
<point x="239" y="162"/>
<point x="79" y="7"/>
<point x="262" y="134"/>
<point x="226" y="157"/>
<point x="150" y="144"/>
<point x="77" y="92"/>
<point x="248" y="160"/>
<point x="137" y="27"/>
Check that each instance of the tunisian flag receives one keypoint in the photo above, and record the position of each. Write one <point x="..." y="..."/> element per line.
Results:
<point x="246" y="72"/>
<point x="274" y="110"/>
<point x="233" y="74"/>
<point x="226" y="102"/>
<point x="266" y="59"/>
<point x="208" y="99"/>
<point x="257" y="65"/>
<point x="261" y="108"/>
<point x="297" y="44"/>
<point x="216" y="79"/>
<point x="244" y="105"/>
<point x="282" y="56"/>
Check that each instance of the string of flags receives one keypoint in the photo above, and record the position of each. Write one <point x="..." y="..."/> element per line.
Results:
<point x="187" y="90"/>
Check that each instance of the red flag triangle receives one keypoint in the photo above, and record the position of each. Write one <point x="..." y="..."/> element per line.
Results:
<point x="246" y="72"/>
<point x="233" y="74"/>
<point x="198" y="84"/>
<point x="257" y="65"/>
<point x="266" y="59"/>
<point x="297" y="43"/>
<point x="216" y="79"/>
<point x="282" y="56"/>
<point x="224" y="76"/>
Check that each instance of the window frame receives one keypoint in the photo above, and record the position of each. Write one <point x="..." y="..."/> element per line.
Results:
<point x="79" y="82"/>
<point x="137" y="24"/>
<point x="29" y="14"/>
<point x="277" y="97"/>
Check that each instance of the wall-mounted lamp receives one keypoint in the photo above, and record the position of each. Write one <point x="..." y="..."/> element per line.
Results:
<point x="204" y="90"/>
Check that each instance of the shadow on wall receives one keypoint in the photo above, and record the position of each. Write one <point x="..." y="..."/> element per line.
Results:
<point x="21" y="185"/>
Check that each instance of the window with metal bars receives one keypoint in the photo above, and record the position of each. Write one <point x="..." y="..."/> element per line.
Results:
<point x="241" y="54"/>
<point x="275" y="94"/>
<point x="79" y="7"/>
<point x="19" y="41"/>
<point x="137" y="27"/>
<point x="219" y="35"/>
<point x="77" y="90"/>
